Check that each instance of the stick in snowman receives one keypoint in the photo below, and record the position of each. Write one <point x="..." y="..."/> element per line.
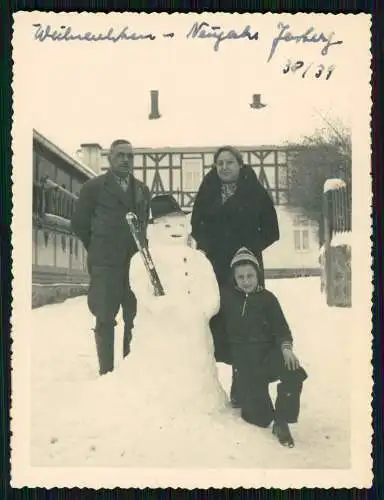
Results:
<point x="142" y="247"/>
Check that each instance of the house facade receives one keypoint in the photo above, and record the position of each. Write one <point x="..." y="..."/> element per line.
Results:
<point x="59" y="266"/>
<point x="179" y="171"/>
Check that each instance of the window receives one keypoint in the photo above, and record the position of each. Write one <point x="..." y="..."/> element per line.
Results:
<point x="300" y="220"/>
<point x="63" y="179"/>
<point x="191" y="181"/>
<point x="45" y="168"/>
<point x="301" y="239"/>
<point x="301" y="233"/>
<point x="192" y="174"/>
<point x="208" y="159"/>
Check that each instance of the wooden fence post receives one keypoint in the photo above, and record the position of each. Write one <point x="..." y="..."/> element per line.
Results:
<point x="336" y="259"/>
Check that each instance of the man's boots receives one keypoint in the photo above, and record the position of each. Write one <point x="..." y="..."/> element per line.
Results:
<point x="105" y="342"/>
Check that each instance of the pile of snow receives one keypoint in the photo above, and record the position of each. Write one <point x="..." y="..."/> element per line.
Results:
<point x="81" y="419"/>
<point x="333" y="184"/>
<point x="342" y="238"/>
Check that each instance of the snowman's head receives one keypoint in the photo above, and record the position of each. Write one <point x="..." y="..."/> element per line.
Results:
<point x="170" y="229"/>
<point x="170" y="225"/>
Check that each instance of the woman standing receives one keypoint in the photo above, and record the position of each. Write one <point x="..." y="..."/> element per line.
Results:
<point x="232" y="210"/>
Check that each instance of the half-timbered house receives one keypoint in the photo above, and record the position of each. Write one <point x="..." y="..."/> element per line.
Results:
<point x="180" y="170"/>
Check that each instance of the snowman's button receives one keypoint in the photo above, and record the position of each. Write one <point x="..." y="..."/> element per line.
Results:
<point x="185" y="259"/>
<point x="189" y="292"/>
<point x="186" y="274"/>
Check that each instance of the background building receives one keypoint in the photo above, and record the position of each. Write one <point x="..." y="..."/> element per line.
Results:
<point x="179" y="171"/>
<point x="58" y="258"/>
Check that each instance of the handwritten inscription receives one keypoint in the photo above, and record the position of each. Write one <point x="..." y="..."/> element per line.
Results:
<point x="309" y="36"/>
<point x="205" y="30"/>
<point x="66" y="34"/>
<point x="310" y="69"/>
<point x="201" y="30"/>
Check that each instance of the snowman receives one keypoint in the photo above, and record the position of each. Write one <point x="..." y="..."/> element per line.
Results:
<point x="165" y="397"/>
<point x="172" y="352"/>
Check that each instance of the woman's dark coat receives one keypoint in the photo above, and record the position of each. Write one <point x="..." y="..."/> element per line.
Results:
<point x="247" y="219"/>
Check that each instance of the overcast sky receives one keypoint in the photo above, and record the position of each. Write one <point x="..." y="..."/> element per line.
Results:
<point x="95" y="92"/>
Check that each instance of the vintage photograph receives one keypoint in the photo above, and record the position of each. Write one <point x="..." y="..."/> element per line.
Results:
<point x="188" y="309"/>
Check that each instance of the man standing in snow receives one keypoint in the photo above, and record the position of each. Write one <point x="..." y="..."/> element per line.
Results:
<point x="99" y="221"/>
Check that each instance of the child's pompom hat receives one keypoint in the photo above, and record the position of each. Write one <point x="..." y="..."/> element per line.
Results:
<point x="243" y="255"/>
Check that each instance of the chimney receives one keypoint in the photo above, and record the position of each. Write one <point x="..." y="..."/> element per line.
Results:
<point x="91" y="156"/>
<point x="154" y="114"/>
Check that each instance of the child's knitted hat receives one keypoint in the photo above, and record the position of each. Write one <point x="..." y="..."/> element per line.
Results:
<point x="244" y="255"/>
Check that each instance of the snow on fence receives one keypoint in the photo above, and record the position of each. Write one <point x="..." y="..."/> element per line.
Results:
<point x="336" y="252"/>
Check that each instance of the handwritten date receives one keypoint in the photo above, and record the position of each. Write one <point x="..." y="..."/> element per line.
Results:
<point x="319" y="71"/>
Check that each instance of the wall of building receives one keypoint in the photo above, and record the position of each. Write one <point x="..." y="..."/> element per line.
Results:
<point x="298" y="246"/>
<point x="59" y="267"/>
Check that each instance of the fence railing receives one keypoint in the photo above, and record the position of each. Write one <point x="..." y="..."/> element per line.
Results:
<point x="53" y="205"/>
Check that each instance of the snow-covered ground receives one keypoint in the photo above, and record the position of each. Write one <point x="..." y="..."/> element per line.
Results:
<point x="74" y="424"/>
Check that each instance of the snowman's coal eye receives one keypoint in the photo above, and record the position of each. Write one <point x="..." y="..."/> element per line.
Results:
<point x="167" y="225"/>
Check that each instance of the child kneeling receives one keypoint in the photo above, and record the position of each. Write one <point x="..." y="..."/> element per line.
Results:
<point x="261" y="344"/>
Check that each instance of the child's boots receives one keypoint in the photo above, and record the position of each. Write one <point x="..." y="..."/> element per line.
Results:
<point x="283" y="434"/>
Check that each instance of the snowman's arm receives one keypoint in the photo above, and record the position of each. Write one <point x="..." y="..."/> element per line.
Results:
<point x="208" y="286"/>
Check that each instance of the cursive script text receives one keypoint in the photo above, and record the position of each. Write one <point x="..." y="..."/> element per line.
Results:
<point x="310" y="36"/>
<point x="66" y="34"/>
<point x="205" y="30"/>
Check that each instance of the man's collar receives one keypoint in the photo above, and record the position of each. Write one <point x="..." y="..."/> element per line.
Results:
<point x="127" y="178"/>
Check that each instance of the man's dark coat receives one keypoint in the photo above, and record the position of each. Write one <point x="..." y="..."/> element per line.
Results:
<point x="99" y="221"/>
